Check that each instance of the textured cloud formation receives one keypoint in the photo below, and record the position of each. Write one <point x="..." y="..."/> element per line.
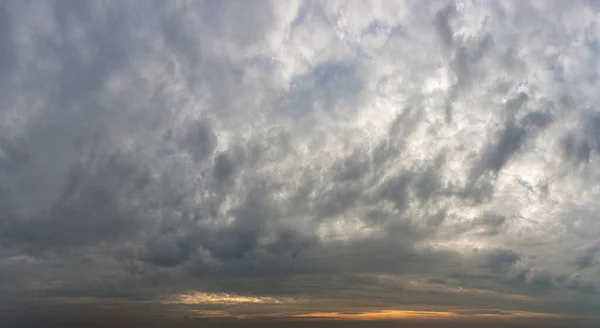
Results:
<point x="378" y="154"/>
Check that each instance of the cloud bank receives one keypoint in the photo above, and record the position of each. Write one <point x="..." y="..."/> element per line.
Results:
<point x="378" y="155"/>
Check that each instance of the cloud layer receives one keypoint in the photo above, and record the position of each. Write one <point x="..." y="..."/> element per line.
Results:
<point x="374" y="154"/>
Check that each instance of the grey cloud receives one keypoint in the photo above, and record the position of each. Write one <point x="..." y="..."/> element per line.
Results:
<point x="89" y="209"/>
<point x="338" y="86"/>
<point x="592" y="130"/>
<point x="423" y="186"/>
<point x="464" y="60"/>
<point x="81" y="79"/>
<point x="576" y="150"/>
<point x="224" y="167"/>
<point x="396" y="190"/>
<point x="509" y="142"/>
<point x="576" y="283"/>
<point x="14" y="157"/>
<point x="545" y="280"/>
<point x="154" y="148"/>
<point x="501" y="260"/>
<point x="428" y="183"/>
<point x="442" y="24"/>
<point x="401" y="128"/>
<point x="341" y="197"/>
<point x="291" y="243"/>
<point x="513" y="106"/>
<point x="352" y="168"/>
<point x="586" y="260"/>
<point x="8" y="57"/>
<point x="168" y="250"/>
<point x="479" y="191"/>
<point x="254" y="19"/>
<point x="536" y="120"/>
<point x="510" y="139"/>
<point x="200" y="141"/>
<point x="242" y="236"/>
<point x="490" y="223"/>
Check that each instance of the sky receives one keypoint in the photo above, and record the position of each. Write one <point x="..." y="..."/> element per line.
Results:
<point x="253" y="162"/>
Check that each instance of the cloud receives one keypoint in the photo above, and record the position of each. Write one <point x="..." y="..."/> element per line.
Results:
<point x="221" y="298"/>
<point x="151" y="148"/>
<point x="500" y="259"/>
<point x="587" y="259"/>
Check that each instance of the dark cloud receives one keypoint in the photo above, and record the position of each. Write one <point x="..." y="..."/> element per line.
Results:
<point x="501" y="260"/>
<point x="489" y="223"/>
<point x="592" y="130"/>
<point x="578" y="284"/>
<point x="513" y="106"/>
<point x="152" y="149"/>
<point x="509" y="142"/>
<point x="428" y="183"/>
<point x="573" y="149"/>
<point x="396" y="190"/>
<point x="341" y="197"/>
<point x="586" y="260"/>
<point x="536" y="120"/>
<point x="168" y="250"/>
<point x="224" y="167"/>
<point x="442" y="24"/>
<point x="352" y="168"/>
<point x="8" y="57"/>
<point x="200" y="141"/>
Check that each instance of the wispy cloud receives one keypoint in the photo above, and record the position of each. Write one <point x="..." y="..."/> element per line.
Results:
<point x="226" y="298"/>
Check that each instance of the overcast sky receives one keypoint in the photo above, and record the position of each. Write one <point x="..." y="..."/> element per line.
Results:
<point x="288" y="158"/>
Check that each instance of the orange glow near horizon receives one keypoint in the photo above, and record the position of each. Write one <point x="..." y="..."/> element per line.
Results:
<point x="284" y="308"/>
<point x="382" y="315"/>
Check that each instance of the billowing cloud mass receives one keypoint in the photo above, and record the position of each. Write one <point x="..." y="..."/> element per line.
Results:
<point x="346" y="155"/>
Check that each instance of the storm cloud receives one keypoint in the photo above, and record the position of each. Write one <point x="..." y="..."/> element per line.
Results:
<point x="357" y="155"/>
